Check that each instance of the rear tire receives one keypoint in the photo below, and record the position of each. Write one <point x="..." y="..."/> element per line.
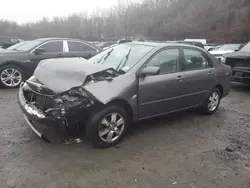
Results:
<point x="106" y="127"/>
<point x="11" y="76"/>
<point x="212" y="102"/>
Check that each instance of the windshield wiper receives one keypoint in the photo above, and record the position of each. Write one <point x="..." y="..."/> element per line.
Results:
<point x="126" y="59"/>
<point x="105" y="56"/>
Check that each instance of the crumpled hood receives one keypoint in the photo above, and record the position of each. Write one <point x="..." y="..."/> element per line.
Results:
<point x="62" y="74"/>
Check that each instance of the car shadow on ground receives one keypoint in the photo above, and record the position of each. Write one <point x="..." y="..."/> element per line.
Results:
<point x="167" y="122"/>
<point x="178" y="120"/>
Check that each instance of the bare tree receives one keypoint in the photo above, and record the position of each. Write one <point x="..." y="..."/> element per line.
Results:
<point x="216" y="20"/>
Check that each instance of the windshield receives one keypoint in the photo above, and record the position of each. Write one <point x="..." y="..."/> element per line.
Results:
<point x="231" y="47"/>
<point x="246" y="48"/>
<point x="25" y="45"/>
<point x="126" y="55"/>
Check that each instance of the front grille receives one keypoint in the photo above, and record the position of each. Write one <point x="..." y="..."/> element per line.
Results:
<point x="42" y="102"/>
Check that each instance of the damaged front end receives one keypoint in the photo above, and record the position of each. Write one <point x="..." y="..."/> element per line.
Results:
<point x="41" y="105"/>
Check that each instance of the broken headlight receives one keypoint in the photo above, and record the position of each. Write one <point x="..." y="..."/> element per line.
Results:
<point x="78" y="92"/>
<point x="76" y="97"/>
<point x="223" y="59"/>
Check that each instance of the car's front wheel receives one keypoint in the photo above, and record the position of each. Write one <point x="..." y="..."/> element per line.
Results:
<point x="106" y="127"/>
<point x="212" y="102"/>
<point x="10" y="76"/>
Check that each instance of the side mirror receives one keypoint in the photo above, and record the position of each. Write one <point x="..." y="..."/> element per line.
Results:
<point x="236" y="50"/>
<point x="39" y="51"/>
<point x="149" y="71"/>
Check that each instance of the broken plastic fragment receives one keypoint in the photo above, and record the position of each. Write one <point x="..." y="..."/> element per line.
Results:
<point x="73" y="141"/>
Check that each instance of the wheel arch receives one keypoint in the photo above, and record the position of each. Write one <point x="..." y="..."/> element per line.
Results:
<point x="124" y="104"/>
<point x="220" y="88"/>
<point x="16" y="63"/>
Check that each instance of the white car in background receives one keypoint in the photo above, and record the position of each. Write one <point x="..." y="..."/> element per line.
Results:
<point x="225" y="49"/>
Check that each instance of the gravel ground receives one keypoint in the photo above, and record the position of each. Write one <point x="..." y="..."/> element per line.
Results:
<point x="181" y="150"/>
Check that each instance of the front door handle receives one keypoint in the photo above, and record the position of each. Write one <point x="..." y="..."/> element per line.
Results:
<point x="210" y="73"/>
<point x="179" y="78"/>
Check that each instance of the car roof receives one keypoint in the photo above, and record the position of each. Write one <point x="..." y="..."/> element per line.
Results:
<point x="160" y="44"/>
<point x="56" y="38"/>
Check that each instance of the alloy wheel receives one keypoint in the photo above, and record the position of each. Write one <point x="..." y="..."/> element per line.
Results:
<point x="11" y="77"/>
<point x="111" y="127"/>
<point x="213" y="101"/>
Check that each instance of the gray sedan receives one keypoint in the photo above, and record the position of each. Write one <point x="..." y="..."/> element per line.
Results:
<point x="123" y="84"/>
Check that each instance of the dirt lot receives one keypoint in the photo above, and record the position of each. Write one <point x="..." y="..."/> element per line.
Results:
<point x="182" y="150"/>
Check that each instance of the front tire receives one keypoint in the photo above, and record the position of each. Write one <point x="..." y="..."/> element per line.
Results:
<point x="11" y="76"/>
<point x="107" y="127"/>
<point x="212" y="102"/>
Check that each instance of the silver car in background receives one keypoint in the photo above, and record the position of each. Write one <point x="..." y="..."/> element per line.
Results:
<point x="225" y="49"/>
<point x="123" y="84"/>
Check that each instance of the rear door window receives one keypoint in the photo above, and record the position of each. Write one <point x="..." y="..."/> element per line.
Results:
<point x="195" y="60"/>
<point x="79" y="47"/>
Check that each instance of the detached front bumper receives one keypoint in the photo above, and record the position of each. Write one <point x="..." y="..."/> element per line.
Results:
<point x="36" y="119"/>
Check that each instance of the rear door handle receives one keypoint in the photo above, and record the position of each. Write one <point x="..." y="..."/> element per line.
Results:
<point x="179" y="78"/>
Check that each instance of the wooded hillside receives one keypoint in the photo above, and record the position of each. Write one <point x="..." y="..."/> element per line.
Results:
<point x="219" y="21"/>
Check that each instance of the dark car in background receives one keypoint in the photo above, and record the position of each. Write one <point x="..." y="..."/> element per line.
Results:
<point x="194" y="43"/>
<point x="126" y="83"/>
<point x="6" y="41"/>
<point x="225" y="49"/>
<point x="19" y="61"/>
<point x="240" y="63"/>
